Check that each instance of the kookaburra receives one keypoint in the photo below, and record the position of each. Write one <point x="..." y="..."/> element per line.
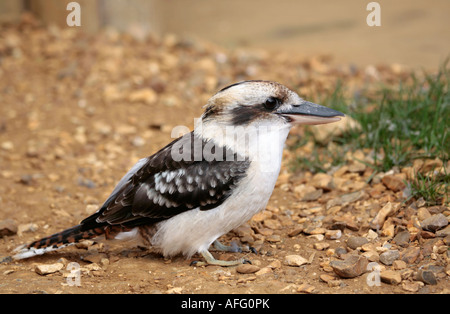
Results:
<point x="203" y="184"/>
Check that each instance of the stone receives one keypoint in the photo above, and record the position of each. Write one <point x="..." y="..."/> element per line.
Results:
<point x="399" y="264"/>
<point x="247" y="269"/>
<point x="29" y="227"/>
<point x="443" y="232"/>
<point x="394" y="182"/>
<point x="388" y="229"/>
<point x="368" y="247"/>
<point x="295" y="260"/>
<point x="302" y="190"/>
<point x="312" y="196"/>
<point x="315" y="231"/>
<point x="275" y="264"/>
<point x="274" y="238"/>
<point x="321" y="246"/>
<point x="322" y="181"/>
<point x="333" y="234"/>
<point x="431" y="164"/>
<point x="383" y="213"/>
<point x="355" y="242"/>
<point x="296" y="231"/>
<point x="412" y="286"/>
<point x="145" y="95"/>
<point x="95" y="258"/>
<point x="410" y="255"/>
<point x="371" y="235"/>
<point x="342" y="222"/>
<point x="351" y="267"/>
<point x="434" y="222"/>
<point x="8" y="146"/>
<point x="427" y="234"/>
<point x="357" y="167"/>
<point x="423" y="213"/>
<point x="388" y="257"/>
<point x="273" y="224"/>
<point x="263" y="271"/>
<point x="306" y="288"/>
<point x="391" y="277"/>
<point x="326" y="278"/>
<point x="45" y="269"/>
<point x="8" y="227"/>
<point x="402" y="239"/>
<point x="84" y="244"/>
<point x="340" y="251"/>
<point x="372" y="256"/>
<point x="351" y="197"/>
<point x="426" y="276"/>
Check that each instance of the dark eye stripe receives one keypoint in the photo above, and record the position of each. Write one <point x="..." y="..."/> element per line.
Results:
<point x="244" y="114"/>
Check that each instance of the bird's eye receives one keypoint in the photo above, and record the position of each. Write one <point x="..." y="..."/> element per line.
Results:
<point x="271" y="103"/>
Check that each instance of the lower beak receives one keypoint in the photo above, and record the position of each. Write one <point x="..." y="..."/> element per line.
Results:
<point x="310" y="113"/>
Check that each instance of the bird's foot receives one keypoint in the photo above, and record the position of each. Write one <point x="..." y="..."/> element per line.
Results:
<point x="210" y="260"/>
<point x="233" y="248"/>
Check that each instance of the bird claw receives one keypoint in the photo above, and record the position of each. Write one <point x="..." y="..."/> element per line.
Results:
<point x="210" y="260"/>
<point x="233" y="247"/>
<point x="197" y="263"/>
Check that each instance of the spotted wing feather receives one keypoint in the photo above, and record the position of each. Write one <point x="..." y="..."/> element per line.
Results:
<point x="164" y="187"/>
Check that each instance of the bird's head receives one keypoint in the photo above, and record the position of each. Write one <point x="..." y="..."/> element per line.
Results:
<point x="265" y="102"/>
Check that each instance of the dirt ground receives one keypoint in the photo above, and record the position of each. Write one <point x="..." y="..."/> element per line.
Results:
<point x="78" y="111"/>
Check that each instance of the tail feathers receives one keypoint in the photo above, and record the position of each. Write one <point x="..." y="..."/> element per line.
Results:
<point x="57" y="241"/>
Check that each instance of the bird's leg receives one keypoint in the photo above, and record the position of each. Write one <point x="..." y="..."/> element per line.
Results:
<point x="210" y="260"/>
<point x="234" y="248"/>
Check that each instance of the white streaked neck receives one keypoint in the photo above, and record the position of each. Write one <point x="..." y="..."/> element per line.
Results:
<point x="258" y="141"/>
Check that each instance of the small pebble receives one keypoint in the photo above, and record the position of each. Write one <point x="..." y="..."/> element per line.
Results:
<point x="320" y="246"/>
<point x="426" y="276"/>
<point x="388" y="257"/>
<point x="402" y="239"/>
<point x="351" y="267"/>
<point x="333" y="234"/>
<point x="247" y="269"/>
<point x="391" y="277"/>
<point x="306" y="288"/>
<point x="45" y="269"/>
<point x="8" y="227"/>
<point x="399" y="264"/>
<point x="434" y="222"/>
<point x="355" y="242"/>
<point x="295" y="260"/>
<point x="412" y="286"/>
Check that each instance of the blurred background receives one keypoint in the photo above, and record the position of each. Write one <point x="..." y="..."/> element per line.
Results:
<point x="412" y="32"/>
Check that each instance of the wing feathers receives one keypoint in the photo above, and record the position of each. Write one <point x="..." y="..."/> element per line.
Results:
<point x="160" y="187"/>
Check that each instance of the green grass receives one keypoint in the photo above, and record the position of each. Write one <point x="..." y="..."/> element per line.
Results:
<point x="399" y="124"/>
<point x="431" y="187"/>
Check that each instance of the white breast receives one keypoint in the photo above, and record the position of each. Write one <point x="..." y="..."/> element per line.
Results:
<point x="195" y="230"/>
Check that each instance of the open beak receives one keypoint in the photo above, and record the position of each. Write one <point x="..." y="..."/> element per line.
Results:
<point x="310" y="113"/>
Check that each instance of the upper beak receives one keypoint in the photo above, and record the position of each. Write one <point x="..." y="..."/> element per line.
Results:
<point x="310" y="113"/>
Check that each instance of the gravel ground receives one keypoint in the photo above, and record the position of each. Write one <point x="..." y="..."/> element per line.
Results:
<point x="78" y="111"/>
